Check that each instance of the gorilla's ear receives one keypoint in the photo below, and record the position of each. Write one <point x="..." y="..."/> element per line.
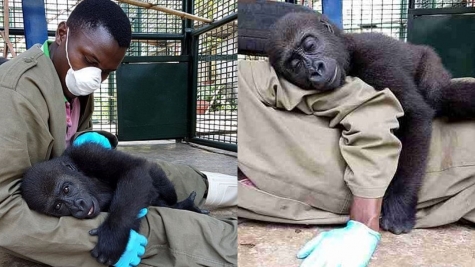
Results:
<point x="328" y="25"/>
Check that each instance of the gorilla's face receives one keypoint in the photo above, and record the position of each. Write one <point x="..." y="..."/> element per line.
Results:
<point x="61" y="190"/>
<point x="308" y="51"/>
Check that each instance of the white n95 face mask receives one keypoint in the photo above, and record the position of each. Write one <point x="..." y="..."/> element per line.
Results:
<point x="83" y="81"/>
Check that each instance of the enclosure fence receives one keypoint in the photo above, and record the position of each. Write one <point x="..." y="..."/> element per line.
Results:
<point x="216" y="53"/>
<point x="385" y="16"/>
<point x="213" y="50"/>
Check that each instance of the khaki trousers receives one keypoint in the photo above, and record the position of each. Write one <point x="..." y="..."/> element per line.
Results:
<point x="285" y="151"/>
<point x="182" y="238"/>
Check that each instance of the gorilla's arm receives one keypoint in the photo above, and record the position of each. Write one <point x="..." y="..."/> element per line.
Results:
<point x="399" y="205"/>
<point x="130" y="196"/>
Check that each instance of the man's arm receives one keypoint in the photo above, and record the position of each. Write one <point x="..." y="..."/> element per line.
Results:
<point x="366" y="211"/>
<point x="25" y="140"/>
<point x="371" y="151"/>
<point x="368" y="119"/>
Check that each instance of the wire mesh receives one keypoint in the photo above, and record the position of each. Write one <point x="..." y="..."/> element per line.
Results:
<point x="385" y="16"/>
<point x="105" y="106"/>
<point x="153" y="21"/>
<point x="214" y="9"/>
<point x="15" y="21"/>
<point x="154" y="48"/>
<point x="143" y="21"/>
<point x="216" y="118"/>
<point x="443" y="3"/>
<point x="313" y="4"/>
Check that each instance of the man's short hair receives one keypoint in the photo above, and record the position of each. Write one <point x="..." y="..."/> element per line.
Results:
<point x="90" y="14"/>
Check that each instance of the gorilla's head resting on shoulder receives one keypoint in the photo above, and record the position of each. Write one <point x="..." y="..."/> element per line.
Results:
<point x="309" y="51"/>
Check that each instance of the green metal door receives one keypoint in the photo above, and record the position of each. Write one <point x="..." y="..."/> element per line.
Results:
<point x="152" y="101"/>
<point x="451" y="32"/>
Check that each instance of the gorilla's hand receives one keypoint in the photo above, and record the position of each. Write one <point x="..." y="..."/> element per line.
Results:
<point x="123" y="246"/>
<point x="398" y="213"/>
<point x="135" y="247"/>
<point x="189" y="204"/>
<point x="112" y="242"/>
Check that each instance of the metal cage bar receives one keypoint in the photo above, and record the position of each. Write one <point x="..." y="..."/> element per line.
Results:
<point x="215" y="83"/>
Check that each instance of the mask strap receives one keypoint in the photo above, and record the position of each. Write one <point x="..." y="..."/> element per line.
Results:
<point x="67" y="39"/>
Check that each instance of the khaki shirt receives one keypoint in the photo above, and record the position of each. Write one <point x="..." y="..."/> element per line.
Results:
<point x="368" y="150"/>
<point x="32" y="129"/>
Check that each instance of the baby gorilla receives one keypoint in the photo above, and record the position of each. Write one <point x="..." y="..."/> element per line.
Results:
<point x="88" y="179"/>
<point x="307" y="50"/>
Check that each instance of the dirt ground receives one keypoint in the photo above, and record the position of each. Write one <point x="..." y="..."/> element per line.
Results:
<point x="269" y="245"/>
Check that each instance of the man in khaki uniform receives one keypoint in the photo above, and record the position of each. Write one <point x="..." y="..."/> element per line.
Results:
<point x="33" y="119"/>
<point x="308" y="156"/>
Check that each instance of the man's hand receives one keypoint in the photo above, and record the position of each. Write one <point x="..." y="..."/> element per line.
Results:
<point x="92" y="137"/>
<point x="135" y="247"/>
<point x="351" y="246"/>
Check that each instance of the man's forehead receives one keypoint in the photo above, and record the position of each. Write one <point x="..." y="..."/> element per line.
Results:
<point x="98" y="34"/>
<point x="100" y="44"/>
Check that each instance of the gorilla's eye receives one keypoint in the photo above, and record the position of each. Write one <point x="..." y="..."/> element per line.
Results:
<point x="66" y="189"/>
<point x="309" y="45"/>
<point x="58" y="206"/>
<point x="295" y="63"/>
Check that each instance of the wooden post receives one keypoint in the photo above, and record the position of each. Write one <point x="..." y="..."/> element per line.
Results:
<point x="6" y="30"/>
<point x="166" y="10"/>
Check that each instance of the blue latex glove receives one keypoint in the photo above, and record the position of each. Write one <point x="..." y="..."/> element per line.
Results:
<point x="135" y="247"/>
<point x="92" y="137"/>
<point x="351" y="246"/>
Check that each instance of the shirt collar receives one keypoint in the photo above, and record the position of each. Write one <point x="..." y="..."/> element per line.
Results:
<point x="45" y="49"/>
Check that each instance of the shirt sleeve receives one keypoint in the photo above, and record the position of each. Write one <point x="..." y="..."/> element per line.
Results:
<point x="367" y="119"/>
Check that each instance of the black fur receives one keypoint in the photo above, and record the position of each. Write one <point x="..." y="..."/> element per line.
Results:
<point x="3" y="60"/>
<point x="307" y="50"/>
<point x="88" y="179"/>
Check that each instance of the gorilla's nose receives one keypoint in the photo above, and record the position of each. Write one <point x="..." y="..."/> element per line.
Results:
<point x="80" y="204"/>
<point x="317" y="74"/>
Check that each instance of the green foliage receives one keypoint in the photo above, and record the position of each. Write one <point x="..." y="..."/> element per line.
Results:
<point x="218" y="97"/>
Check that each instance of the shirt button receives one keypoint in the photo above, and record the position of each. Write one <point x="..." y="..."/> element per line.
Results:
<point x="28" y="60"/>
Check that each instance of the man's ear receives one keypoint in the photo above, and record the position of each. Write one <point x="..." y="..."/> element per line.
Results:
<point x="61" y="33"/>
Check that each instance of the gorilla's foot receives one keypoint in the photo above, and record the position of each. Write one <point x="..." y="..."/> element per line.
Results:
<point x="189" y="204"/>
<point x="398" y="216"/>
